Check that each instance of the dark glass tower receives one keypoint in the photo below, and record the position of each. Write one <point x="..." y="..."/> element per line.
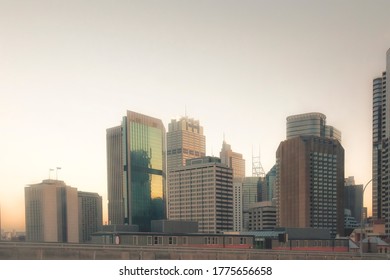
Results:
<point x="136" y="171"/>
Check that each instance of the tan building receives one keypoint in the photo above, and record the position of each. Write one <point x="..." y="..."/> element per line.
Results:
<point x="51" y="212"/>
<point x="233" y="160"/>
<point x="202" y="191"/>
<point x="185" y="140"/>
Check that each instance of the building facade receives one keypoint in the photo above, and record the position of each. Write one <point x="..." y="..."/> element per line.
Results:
<point x="51" y="209"/>
<point x="185" y="140"/>
<point x="250" y="195"/>
<point x="380" y="149"/>
<point x="136" y="171"/>
<point x="237" y="205"/>
<point x="310" y="124"/>
<point x="202" y="191"/>
<point x="233" y="160"/>
<point x="353" y="198"/>
<point x="270" y="181"/>
<point x="236" y="162"/>
<point x="262" y="216"/>
<point x="90" y="215"/>
<point x="310" y="182"/>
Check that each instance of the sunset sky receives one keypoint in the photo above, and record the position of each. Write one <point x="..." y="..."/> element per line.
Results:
<point x="70" y="69"/>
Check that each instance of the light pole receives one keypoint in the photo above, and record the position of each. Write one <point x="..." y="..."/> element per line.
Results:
<point x="362" y="224"/>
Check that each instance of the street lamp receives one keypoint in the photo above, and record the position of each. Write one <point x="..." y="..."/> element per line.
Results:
<point x="362" y="225"/>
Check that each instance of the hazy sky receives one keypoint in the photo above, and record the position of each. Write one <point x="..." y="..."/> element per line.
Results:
<point x="70" y="69"/>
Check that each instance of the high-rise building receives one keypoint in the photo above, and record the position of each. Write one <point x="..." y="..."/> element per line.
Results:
<point x="202" y="191"/>
<point x="136" y="171"/>
<point x="312" y="124"/>
<point x="380" y="148"/>
<point x="51" y="212"/>
<point x="90" y="215"/>
<point x="310" y="178"/>
<point x="270" y="180"/>
<point x="353" y="198"/>
<point x="233" y="160"/>
<point x="185" y="140"/>
<point x="250" y="195"/>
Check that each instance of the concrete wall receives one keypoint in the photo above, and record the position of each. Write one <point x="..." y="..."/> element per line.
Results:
<point x="59" y="251"/>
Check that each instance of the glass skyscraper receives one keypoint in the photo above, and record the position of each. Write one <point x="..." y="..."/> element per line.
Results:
<point x="136" y="171"/>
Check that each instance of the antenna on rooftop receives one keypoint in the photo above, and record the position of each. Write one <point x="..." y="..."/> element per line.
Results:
<point x="50" y="170"/>
<point x="257" y="168"/>
<point x="58" y="168"/>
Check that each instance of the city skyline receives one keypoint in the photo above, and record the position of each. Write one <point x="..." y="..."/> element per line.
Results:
<point x="239" y="67"/>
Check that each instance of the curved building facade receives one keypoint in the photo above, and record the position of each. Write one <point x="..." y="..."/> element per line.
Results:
<point x="310" y="124"/>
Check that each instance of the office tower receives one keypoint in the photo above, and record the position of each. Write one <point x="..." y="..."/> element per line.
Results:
<point x="270" y="181"/>
<point x="353" y="198"/>
<point x="237" y="163"/>
<point x="313" y="124"/>
<point x="262" y="216"/>
<point x="51" y="212"/>
<point x="202" y="191"/>
<point x="136" y="171"/>
<point x="250" y="195"/>
<point x="185" y="140"/>
<point x="233" y="160"/>
<point x="90" y="215"/>
<point x="380" y="149"/>
<point x="310" y="179"/>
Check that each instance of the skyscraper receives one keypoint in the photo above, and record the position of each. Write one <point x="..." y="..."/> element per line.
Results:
<point x="310" y="177"/>
<point x="51" y="212"/>
<point x="232" y="159"/>
<point x="250" y="195"/>
<point x="136" y="171"/>
<point x="353" y="198"/>
<point x="313" y="124"/>
<point x="185" y="140"/>
<point x="202" y="191"/>
<point x="380" y="149"/>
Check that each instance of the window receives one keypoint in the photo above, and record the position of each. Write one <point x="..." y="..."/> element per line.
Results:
<point x="150" y="240"/>
<point x="172" y="240"/>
